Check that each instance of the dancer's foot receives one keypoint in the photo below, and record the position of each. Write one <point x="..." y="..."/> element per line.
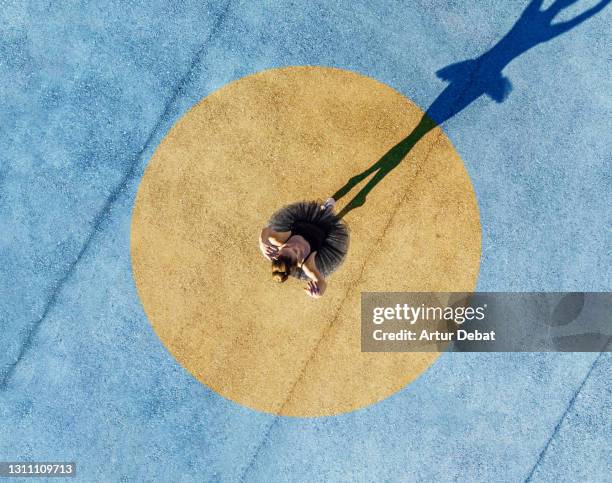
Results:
<point x="329" y="204"/>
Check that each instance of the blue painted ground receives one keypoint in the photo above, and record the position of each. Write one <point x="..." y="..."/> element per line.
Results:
<point x="89" y="89"/>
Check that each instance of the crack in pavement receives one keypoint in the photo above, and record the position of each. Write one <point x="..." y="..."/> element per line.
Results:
<point x="568" y="408"/>
<point x="104" y="214"/>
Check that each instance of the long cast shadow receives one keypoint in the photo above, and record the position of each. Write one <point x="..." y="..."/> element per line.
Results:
<point x="470" y="79"/>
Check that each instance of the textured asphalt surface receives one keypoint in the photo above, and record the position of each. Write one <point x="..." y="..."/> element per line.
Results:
<point x="89" y="90"/>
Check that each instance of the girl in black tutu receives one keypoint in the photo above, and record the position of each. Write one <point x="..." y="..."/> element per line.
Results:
<point x="305" y="240"/>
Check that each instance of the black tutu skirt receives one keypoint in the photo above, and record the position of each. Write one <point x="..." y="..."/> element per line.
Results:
<point x="335" y="247"/>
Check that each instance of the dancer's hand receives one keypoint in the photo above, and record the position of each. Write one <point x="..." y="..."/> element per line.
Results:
<point x="268" y="251"/>
<point x="316" y="289"/>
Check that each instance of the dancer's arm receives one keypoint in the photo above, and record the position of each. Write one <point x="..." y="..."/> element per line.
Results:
<point x="270" y="240"/>
<point x="317" y="285"/>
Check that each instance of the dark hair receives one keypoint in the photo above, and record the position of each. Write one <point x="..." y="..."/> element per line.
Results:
<point x="282" y="267"/>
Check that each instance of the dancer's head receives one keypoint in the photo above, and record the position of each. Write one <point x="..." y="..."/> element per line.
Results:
<point x="283" y="266"/>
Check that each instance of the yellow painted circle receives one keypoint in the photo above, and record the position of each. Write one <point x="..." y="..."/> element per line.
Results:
<point x="255" y="145"/>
